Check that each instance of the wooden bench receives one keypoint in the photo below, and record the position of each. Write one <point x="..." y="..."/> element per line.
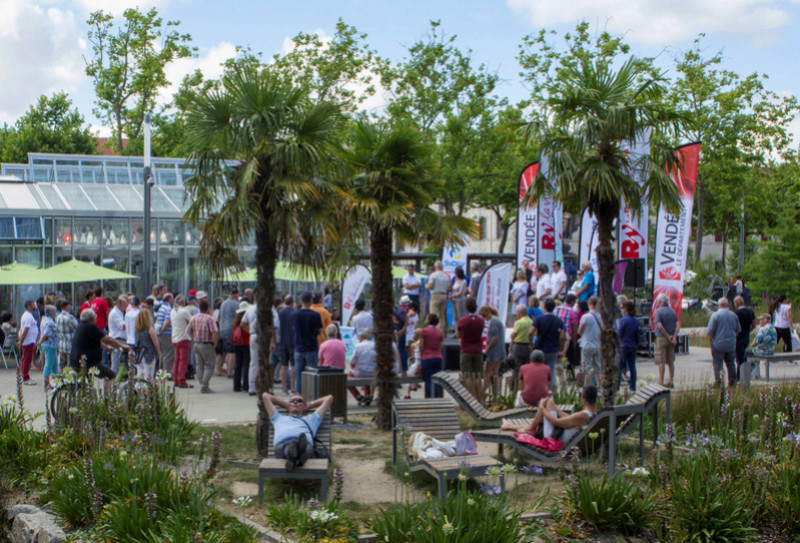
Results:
<point x="436" y="418"/>
<point x="372" y="382"/>
<point x="314" y="468"/>
<point x="777" y="357"/>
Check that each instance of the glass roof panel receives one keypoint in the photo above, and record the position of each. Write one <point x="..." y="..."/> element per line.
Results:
<point x="17" y="195"/>
<point x="51" y="196"/>
<point x="101" y="197"/>
<point x="36" y="196"/>
<point x="75" y="197"/>
<point x="130" y="198"/>
<point x="118" y="174"/>
<point x="176" y="194"/>
<point x="160" y="203"/>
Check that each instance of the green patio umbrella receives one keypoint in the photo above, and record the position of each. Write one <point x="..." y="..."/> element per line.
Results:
<point x="75" y="271"/>
<point x="22" y="274"/>
<point x="399" y="272"/>
<point x="284" y="271"/>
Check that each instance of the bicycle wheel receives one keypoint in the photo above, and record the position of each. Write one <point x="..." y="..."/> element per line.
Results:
<point x="63" y="399"/>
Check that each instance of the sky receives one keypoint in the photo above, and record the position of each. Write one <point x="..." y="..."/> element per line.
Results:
<point x="43" y="42"/>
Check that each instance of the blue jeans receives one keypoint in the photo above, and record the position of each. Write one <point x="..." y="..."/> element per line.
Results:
<point x="550" y="360"/>
<point x="628" y="361"/>
<point x="401" y="347"/>
<point x="429" y="367"/>
<point x="301" y="362"/>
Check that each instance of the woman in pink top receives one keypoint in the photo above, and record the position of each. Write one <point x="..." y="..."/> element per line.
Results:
<point x="332" y="352"/>
<point x="430" y="347"/>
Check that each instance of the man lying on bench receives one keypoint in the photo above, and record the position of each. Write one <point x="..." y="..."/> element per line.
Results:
<point x="294" y="433"/>
<point x="549" y="417"/>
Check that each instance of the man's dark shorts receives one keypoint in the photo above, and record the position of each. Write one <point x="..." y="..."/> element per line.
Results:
<point x="224" y="346"/>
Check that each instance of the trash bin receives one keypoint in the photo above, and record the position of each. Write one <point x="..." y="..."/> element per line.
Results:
<point x="321" y="381"/>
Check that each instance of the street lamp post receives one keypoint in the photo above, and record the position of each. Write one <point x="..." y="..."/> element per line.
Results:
<point x="148" y="182"/>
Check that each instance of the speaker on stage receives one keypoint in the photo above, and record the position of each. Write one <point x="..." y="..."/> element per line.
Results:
<point x="634" y="273"/>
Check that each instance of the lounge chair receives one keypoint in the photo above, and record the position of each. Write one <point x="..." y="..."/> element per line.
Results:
<point x="470" y="404"/>
<point x="314" y="468"/>
<point x="610" y="424"/>
<point x="436" y="418"/>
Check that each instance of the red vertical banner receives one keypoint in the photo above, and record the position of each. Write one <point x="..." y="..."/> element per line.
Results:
<point x="527" y="220"/>
<point x="673" y="232"/>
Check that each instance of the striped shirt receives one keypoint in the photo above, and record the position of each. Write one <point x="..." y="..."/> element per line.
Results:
<point x="569" y="316"/>
<point x="202" y="328"/>
<point x="162" y="316"/>
<point x="66" y="325"/>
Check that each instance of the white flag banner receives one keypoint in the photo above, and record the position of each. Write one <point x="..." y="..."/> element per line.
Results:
<point x="633" y="231"/>
<point x="453" y="256"/>
<point x="589" y="240"/>
<point x="527" y="220"/>
<point x="494" y="287"/>
<point x="352" y="287"/>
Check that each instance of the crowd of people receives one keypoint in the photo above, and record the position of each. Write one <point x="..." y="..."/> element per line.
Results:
<point x="554" y="335"/>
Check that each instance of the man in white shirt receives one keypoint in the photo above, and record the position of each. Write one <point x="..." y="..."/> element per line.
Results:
<point x="179" y="318"/>
<point x="116" y="329"/>
<point x="250" y="324"/>
<point x="558" y="281"/>
<point x="28" y="335"/>
<point x="543" y="288"/>
<point x="362" y="320"/>
<point x="411" y="284"/>
<point x="130" y="320"/>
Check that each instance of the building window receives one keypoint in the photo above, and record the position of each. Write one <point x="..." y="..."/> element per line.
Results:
<point x="482" y="228"/>
<point x="499" y="228"/>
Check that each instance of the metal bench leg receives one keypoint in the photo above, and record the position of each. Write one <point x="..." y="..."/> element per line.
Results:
<point x="442" y="488"/>
<point x="260" y="488"/>
<point x="324" y="491"/>
<point x="502" y="482"/>
<point x="766" y="369"/>
<point x="641" y="438"/>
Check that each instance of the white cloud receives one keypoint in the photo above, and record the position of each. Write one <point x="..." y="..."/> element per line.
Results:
<point x="209" y="62"/>
<point x="117" y="7"/>
<point x="661" y="22"/>
<point x="41" y="49"/>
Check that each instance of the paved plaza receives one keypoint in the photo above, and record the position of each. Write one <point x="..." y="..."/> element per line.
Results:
<point x="227" y="407"/>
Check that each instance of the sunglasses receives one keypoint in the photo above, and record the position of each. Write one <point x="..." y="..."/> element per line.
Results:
<point x="296" y="400"/>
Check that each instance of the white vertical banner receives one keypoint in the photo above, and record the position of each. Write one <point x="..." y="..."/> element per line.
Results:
<point x="673" y="233"/>
<point x="633" y="231"/>
<point x="454" y="255"/>
<point x="551" y="221"/>
<point x="589" y="240"/>
<point x="527" y="220"/>
<point x="353" y="285"/>
<point x="493" y="290"/>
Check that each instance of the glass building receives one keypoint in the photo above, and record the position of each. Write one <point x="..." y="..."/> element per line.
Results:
<point x="89" y="207"/>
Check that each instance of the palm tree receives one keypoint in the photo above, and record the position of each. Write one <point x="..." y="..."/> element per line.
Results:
<point x="596" y="110"/>
<point x="390" y="189"/>
<point x="279" y="142"/>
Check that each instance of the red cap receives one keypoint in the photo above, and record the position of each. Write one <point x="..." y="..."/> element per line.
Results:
<point x="193" y="292"/>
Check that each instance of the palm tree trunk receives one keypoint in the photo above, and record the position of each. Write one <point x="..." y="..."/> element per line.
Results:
<point x="698" y="242"/>
<point x="609" y="343"/>
<point x="266" y="259"/>
<point x="382" y="301"/>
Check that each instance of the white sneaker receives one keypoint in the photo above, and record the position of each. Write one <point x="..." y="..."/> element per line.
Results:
<point x="30" y="382"/>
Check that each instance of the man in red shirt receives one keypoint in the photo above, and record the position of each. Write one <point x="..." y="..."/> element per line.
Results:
<point x="535" y="379"/>
<point x="100" y="307"/>
<point x="469" y="331"/>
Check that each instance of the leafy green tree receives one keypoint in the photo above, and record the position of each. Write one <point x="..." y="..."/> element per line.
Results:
<point x="343" y="70"/>
<point x="744" y="127"/>
<point x="280" y="142"/>
<point x="390" y="189"/>
<point x="127" y="67"/>
<point x="438" y="89"/>
<point x="594" y="110"/>
<point x="51" y="125"/>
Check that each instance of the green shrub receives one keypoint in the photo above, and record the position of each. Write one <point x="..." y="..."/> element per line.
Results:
<point x="784" y="498"/>
<point x="709" y="506"/>
<point x="615" y="503"/>
<point x="311" y="521"/>
<point x="465" y="517"/>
